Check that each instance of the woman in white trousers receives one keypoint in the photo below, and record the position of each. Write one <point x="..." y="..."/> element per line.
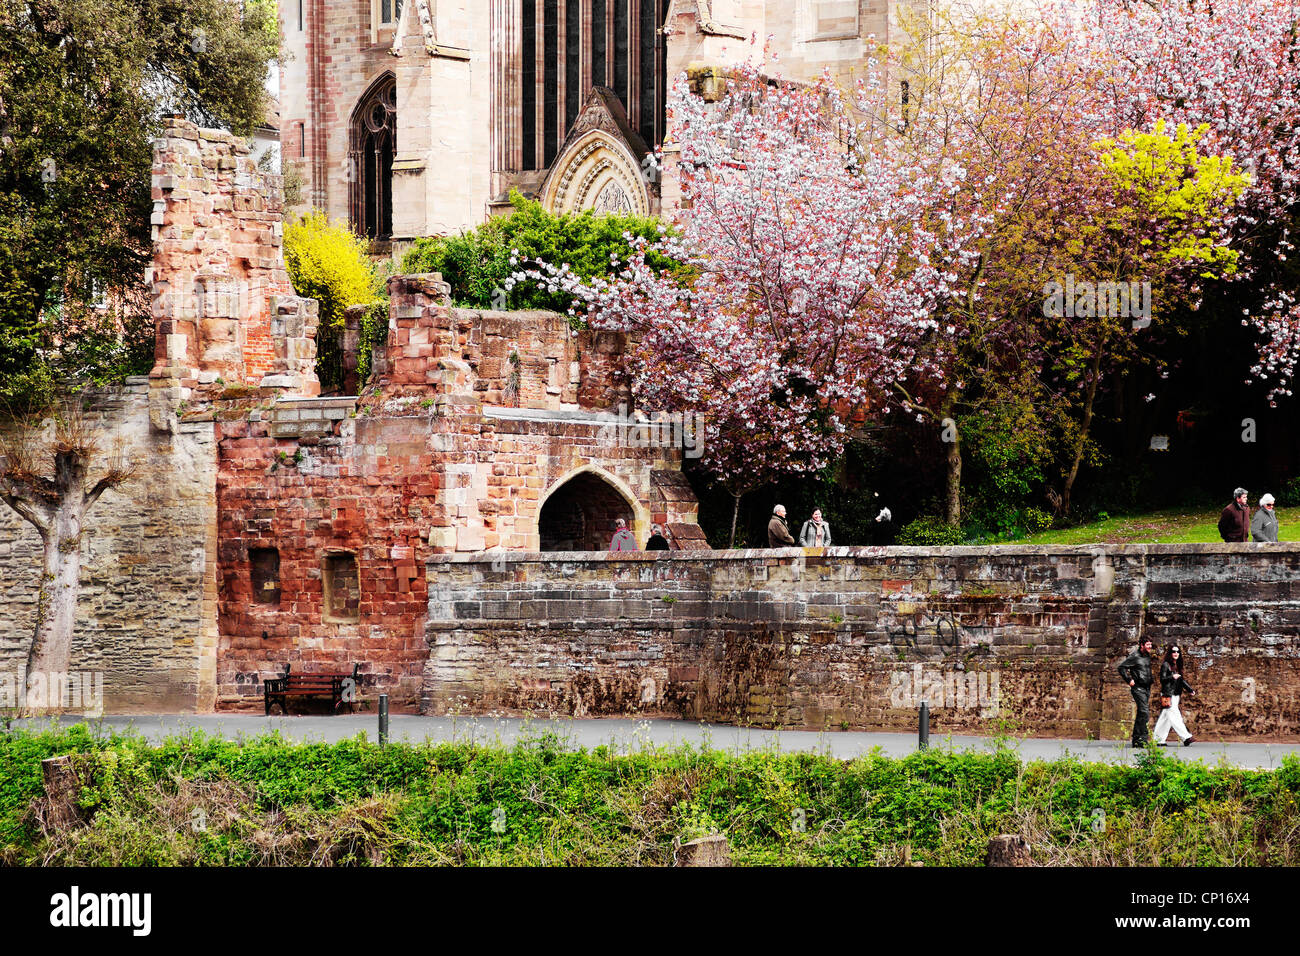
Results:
<point x="1172" y="688"/>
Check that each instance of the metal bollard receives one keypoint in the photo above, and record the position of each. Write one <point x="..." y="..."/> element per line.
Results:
<point x="383" y="719"/>
<point x="925" y="725"/>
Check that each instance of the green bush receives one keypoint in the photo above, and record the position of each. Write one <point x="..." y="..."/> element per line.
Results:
<point x="263" y="801"/>
<point x="931" y="532"/>
<point x="28" y="391"/>
<point x="1036" y="520"/>
<point x="374" y="333"/>
<point x="478" y="263"/>
<point x="1290" y="493"/>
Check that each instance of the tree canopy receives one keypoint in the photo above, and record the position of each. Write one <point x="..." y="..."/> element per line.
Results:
<point x="83" y="86"/>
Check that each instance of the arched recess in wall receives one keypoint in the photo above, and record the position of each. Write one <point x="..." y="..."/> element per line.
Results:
<point x="579" y="511"/>
<point x="372" y="144"/>
<point x="596" y="172"/>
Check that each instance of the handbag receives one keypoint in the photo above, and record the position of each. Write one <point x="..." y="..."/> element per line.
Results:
<point x="1166" y="701"/>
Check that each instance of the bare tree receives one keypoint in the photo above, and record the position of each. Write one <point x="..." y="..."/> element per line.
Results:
<point x="45" y="464"/>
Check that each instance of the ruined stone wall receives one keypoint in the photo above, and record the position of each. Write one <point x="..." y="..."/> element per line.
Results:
<point x="146" y="616"/>
<point x="367" y="487"/>
<point x="225" y="311"/>
<point x="994" y="638"/>
<point x="527" y="359"/>
<point x="429" y="460"/>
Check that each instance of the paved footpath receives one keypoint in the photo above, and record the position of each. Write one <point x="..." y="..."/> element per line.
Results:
<point x="629" y="735"/>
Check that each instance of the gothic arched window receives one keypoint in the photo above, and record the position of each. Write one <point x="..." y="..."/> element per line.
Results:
<point x="371" y="146"/>
<point x="567" y="47"/>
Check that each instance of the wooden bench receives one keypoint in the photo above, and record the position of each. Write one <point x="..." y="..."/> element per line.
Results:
<point x="278" y="690"/>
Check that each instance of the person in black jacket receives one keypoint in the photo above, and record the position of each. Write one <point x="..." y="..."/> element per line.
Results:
<point x="1173" y="684"/>
<point x="657" y="541"/>
<point x="1136" y="671"/>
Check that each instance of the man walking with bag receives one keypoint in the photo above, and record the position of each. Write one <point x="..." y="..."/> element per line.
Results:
<point x="1136" y="671"/>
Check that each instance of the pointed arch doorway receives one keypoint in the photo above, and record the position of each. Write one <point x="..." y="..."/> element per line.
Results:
<point x="580" y="512"/>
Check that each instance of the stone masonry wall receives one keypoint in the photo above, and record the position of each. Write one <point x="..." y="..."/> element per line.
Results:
<point x="146" y="617"/>
<point x="224" y="309"/>
<point x="424" y="462"/>
<point x="515" y="359"/>
<point x="993" y="638"/>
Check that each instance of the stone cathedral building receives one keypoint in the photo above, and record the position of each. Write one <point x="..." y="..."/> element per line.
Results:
<point x="410" y="118"/>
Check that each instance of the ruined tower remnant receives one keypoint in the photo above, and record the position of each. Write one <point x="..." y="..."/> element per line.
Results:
<point x="225" y="311"/>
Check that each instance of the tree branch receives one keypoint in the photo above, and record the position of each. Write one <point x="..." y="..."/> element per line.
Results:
<point x="111" y="480"/>
<point x="32" y="509"/>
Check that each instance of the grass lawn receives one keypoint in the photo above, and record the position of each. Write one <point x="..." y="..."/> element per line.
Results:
<point x="1174" y="526"/>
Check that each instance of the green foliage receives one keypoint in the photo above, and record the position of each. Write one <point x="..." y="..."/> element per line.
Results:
<point x="1036" y="520"/>
<point x="1290" y="492"/>
<point x="200" y="800"/>
<point x="85" y="87"/>
<point x="28" y="391"/>
<point x="326" y="261"/>
<point x="478" y="263"/>
<point x="1170" y="184"/>
<point x="374" y="333"/>
<point x="929" y="531"/>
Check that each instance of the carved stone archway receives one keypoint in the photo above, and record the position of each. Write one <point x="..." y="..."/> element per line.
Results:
<point x="578" y="511"/>
<point x="600" y="166"/>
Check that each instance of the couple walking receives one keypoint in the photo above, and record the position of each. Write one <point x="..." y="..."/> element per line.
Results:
<point x="1136" y="671"/>
<point x="1236" y="524"/>
<point x="816" y="533"/>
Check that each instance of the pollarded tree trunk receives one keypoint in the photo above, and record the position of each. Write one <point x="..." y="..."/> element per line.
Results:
<point x="56" y="609"/>
<point x="56" y="506"/>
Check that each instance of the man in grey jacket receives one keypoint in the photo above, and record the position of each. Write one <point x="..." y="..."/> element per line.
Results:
<point x="1264" y="525"/>
<point x="1136" y="671"/>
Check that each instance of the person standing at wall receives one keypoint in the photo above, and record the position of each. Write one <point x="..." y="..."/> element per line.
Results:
<point x="1264" y="525"/>
<point x="1173" y="686"/>
<point x="656" y="541"/>
<point x="778" y="535"/>
<point x="1136" y="671"/>
<point x="1234" y="522"/>
<point x="815" y="533"/>
<point x="623" y="539"/>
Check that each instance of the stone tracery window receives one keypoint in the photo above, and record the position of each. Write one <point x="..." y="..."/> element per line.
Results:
<point x="387" y="12"/>
<point x="372" y="146"/>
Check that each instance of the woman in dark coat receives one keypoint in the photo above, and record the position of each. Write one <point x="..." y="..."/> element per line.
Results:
<point x="1173" y="685"/>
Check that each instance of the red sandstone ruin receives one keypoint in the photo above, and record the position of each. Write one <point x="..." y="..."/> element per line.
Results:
<point x="477" y="431"/>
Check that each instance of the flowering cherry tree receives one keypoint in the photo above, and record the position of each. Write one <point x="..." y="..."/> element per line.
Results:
<point x="813" y="261"/>
<point x="1075" y="184"/>
<point x="1007" y="99"/>
<point x="1233" y="65"/>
